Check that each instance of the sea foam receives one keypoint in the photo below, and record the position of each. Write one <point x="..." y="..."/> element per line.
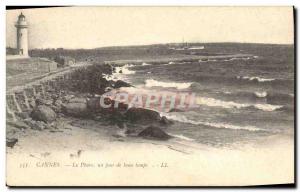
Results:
<point x="182" y="137"/>
<point x="184" y="119"/>
<point x="145" y="64"/>
<point x="119" y="71"/>
<point x="124" y="69"/>
<point x="259" y="79"/>
<point x="261" y="94"/>
<point x="154" y="83"/>
<point x="230" y="104"/>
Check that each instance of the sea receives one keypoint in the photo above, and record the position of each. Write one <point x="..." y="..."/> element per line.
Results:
<point x="238" y="99"/>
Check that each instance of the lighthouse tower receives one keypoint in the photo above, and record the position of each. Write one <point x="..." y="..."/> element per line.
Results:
<point x="22" y="35"/>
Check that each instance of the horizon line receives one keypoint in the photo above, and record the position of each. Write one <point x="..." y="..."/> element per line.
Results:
<point x="139" y="45"/>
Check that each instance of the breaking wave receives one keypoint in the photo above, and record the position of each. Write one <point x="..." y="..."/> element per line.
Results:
<point x="261" y="94"/>
<point x="270" y="97"/>
<point x="154" y="83"/>
<point x="145" y="64"/>
<point x="184" y="119"/>
<point x="124" y="70"/>
<point x="182" y="137"/>
<point x="119" y="71"/>
<point x="230" y="104"/>
<point x="259" y="79"/>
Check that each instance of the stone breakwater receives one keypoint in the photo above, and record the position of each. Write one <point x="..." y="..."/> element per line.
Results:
<point x="83" y="79"/>
<point x="76" y="94"/>
<point x="21" y="99"/>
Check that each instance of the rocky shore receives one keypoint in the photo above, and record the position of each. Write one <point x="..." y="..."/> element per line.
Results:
<point x="81" y="100"/>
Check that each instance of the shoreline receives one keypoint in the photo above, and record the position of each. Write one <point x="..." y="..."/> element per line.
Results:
<point x="265" y="163"/>
<point x="86" y="97"/>
<point x="89" y="141"/>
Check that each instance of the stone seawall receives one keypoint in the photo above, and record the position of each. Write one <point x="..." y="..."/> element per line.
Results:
<point x="21" y="99"/>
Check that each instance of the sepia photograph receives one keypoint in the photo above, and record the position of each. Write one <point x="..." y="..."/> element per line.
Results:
<point x="186" y="96"/>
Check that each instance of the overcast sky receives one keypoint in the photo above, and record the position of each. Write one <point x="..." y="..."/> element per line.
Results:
<point x="91" y="27"/>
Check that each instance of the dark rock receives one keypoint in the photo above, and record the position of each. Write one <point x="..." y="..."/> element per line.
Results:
<point x="165" y="121"/>
<point x="142" y="115"/>
<point x="154" y="133"/>
<point x="75" y="109"/>
<point x="91" y="79"/>
<point x="93" y="104"/>
<point x="175" y="110"/>
<point x="121" y="107"/>
<point x="121" y="83"/>
<point x="55" y="131"/>
<point x="108" y="89"/>
<point x="77" y="100"/>
<point x="117" y="118"/>
<point x="10" y="142"/>
<point x="43" y="113"/>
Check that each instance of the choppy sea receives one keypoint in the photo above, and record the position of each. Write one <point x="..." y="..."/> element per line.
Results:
<point x="239" y="99"/>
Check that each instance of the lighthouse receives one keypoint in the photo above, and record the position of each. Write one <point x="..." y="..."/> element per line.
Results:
<point x="22" y="35"/>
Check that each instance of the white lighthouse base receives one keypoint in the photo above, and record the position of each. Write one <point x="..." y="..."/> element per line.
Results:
<point x="13" y="57"/>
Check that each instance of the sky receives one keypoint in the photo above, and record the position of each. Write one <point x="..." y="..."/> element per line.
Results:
<point x="92" y="27"/>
